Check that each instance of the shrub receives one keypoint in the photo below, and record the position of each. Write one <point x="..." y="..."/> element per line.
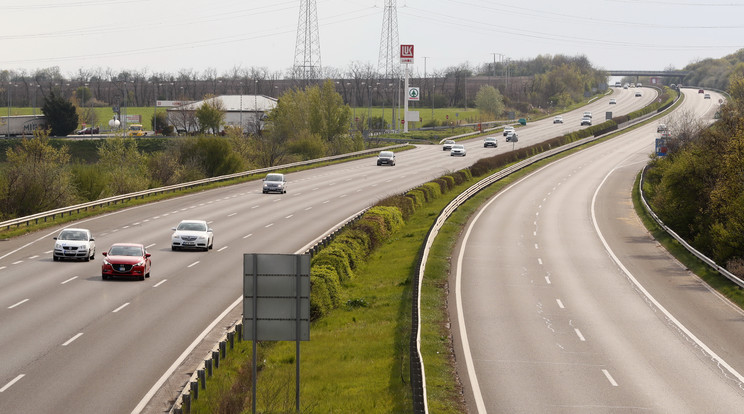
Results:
<point x="392" y="217"/>
<point x="375" y="228"/>
<point x="401" y="202"/>
<point x="325" y="291"/>
<point x="418" y="197"/>
<point x="432" y="190"/>
<point x="336" y="257"/>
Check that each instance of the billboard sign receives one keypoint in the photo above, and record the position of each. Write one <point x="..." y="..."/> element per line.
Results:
<point x="406" y="53"/>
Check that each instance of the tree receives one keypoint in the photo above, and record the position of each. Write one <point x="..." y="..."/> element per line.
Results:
<point x="211" y="114"/>
<point x="159" y="122"/>
<point x="125" y="167"/>
<point x="36" y="178"/>
<point x="60" y="114"/>
<point x="489" y="100"/>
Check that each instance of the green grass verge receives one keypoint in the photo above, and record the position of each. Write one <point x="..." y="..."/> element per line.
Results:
<point x="714" y="279"/>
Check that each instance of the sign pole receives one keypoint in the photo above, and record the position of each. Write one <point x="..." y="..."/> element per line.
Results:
<point x="405" y="105"/>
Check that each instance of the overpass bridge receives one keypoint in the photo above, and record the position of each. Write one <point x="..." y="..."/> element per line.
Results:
<point x="680" y="74"/>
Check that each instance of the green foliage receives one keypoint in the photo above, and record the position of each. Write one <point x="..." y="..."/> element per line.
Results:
<point x="125" y="168"/>
<point x="211" y="115"/>
<point x="714" y="73"/>
<point x="325" y="288"/>
<point x="89" y="180"/>
<point x="36" y="178"/>
<point x="336" y="257"/>
<point x="215" y="156"/>
<point x="488" y="100"/>
<point x="159" y="123"/>
<point x="60" y="114"/>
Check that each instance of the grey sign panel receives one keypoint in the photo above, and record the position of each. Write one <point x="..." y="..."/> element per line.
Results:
<point x="276" y="297"/>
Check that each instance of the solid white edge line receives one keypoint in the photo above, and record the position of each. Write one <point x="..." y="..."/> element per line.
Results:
<point x="477" y="395"/>
<point x="13" y="381"/>
<point x="653" y="300"/>
<point x="120" y="308"/>
<point x="18" y="304"/>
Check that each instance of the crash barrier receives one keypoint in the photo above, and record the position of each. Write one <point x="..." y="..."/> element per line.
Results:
<point x="720" y="269"/>
<point x="75" y="209"/>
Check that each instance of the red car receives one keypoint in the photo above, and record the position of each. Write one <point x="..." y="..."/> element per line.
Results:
<point x="126" y="260"/>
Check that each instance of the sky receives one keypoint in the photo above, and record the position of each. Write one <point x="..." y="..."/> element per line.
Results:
<point x="169" y="36"/>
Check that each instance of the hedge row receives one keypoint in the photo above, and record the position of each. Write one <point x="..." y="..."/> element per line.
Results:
<point x="334" y="265"/>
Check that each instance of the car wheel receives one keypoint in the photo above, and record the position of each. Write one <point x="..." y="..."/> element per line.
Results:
<point x="142" y="277"/>
<point x="211" y="245"/>
<point x="104" y="277"/>
<point x="147" y="274"/>
<point x="55" y="258"/>
<point x="174" y="248"/>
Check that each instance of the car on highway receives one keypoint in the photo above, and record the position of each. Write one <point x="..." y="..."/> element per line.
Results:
<point x="613" y="101"/>
<point x="706" y="96"/>
<point x="74" y="243"/>
<point x="661" y="128"/>
<point x="386" y="158"/>
<point x="126" y="260"/>
<point x="508" y="129"/>
<point x="638" y="94"/>
<point x="701" y="91"/>
<point x="512" y="137"/>
<point x="586" y="121"/>
<point x="87" y="131"/>
<point x="558" y="120"/>
<point x="447" y="145"/>
<point x="192" y="234"/>
<point x="458" y="150"/>
<point x="274" y="183"/>
<point x="490" y="142"/>
<point x="639" y="84"/>
<point x="587" y="114"/>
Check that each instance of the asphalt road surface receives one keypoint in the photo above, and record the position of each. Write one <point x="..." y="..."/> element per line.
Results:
<point x="565" y="304"/>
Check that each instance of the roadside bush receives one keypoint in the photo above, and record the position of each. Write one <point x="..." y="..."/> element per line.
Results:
<point x="325" y="288"/>
<point x="418" y="197"/>
<point x="336" y="257"/>
<point x="431" y="190"/>
<point x="392" y="217"/>
<point x="375" y="228"/>
<point x="403" y="203"/>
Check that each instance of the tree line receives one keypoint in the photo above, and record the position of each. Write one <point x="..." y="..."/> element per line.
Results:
<point x="698" y="188"/>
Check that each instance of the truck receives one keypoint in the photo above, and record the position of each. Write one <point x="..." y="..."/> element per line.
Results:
<point x="21" y="125"/>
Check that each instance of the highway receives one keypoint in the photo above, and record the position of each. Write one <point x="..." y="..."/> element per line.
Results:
<point x="565" y="304"/>
<point x="73" y="343"/>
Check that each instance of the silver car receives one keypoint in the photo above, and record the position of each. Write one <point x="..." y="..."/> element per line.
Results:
<point x="74" y="244"/>
<point x="192" y="234"/>
<point x="448" y="145"/>
<point x="457" y="150"/>
<point x="275" y="183"/>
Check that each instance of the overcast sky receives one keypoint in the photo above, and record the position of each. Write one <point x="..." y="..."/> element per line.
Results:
<point x="171" y="35"/>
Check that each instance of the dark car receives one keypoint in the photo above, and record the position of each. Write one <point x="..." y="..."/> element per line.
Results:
<point x="386" y="158"/>
<point x="490" y="142"/>
<point x="87" y="131"/>
<point x="126" y="260"/>
<point x="701" y="91"/>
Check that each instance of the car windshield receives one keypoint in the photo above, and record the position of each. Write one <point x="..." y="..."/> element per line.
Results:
<point x="386" y="154"/>
<point x="449" y="142"/>
<point x="458" y="147"/>
<point x="274" y="177"/>
<point x="125" y="251"/>
<point x="73" y="235"/>
<point x="192" y="227"/>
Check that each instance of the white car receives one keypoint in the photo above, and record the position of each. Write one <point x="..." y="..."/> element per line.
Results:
<point x="74" y="244"/>
<point x="512" y="137"/>
<point x="447" y="146"/>
<point x="275" y="183"/>
<point x="638" y="94"/>
<point x="558" y="120"/>
<point x="613" y="101"/>
<point x="508" y="129"/>
<point x="457" y="150"/>
<point x="192" y="234"/>
<point x="587" y="114"/>
<point x="586" y="121"/>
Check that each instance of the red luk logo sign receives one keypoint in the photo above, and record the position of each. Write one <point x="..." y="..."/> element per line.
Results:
<point x="406" y="53"/>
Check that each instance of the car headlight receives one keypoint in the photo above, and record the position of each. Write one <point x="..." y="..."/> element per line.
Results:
<point x="106" y="262"/>
<point x="142" y="263"/>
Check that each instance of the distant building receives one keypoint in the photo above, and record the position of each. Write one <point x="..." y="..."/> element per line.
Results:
<point x="246" y="111"/>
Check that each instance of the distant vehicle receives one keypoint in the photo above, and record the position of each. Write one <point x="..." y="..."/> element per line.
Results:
<point x="617" y="84"/>
<point x="508" y="129"/>
<point x="512" y="137"/>
<point x="638" y="94"/>
<point x="126" y="260"/>
<point x="701" y="91"/>
<point x="448" y="145"/>
<point x="586" y="121"/>
<point x="587" y="114"/>
<point x="558" y="120"/>
<point x="632" y="85"/>
<point x="87" y="131"/>
<point x="706" y="96"/>
<point x="275" y="183"/>
<point x="136" y="130"/>
<point x="22" y="124"/>
<point x="625" y="86"/>
<point x="661" y="128"/>
<point x="192" y="234"/>
<point x="613" y="101"/>
<point x="458" y="149"/>
<point x="490" y="142"/>
<point x="74" y="244"/>
<point x="386" y="158"/>
<point x="638" y="85"/>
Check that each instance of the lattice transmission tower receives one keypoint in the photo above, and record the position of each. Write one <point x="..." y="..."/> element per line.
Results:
<point x="388" y="64"/>
<point x="307" y="48"/>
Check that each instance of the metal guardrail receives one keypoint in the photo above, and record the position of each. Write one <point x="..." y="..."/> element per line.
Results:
<point x="710" y="262"/>
<point x="52" y="214"/>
